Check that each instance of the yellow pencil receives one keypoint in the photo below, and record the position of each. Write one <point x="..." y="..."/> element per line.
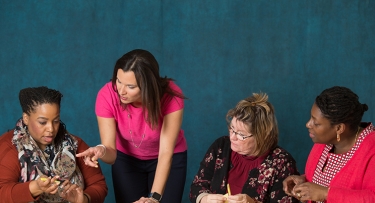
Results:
<point x="228" y="188"/>
<point x="56" y="181"/>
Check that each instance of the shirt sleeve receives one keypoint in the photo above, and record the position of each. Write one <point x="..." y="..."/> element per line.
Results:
<point x="286" y="167"/>
<point x="363" y="181"/>
<point x="174" y="103"/>
<point x="11" y="190"/>
<point x="210" y="173"/>
<point x="105" y="101"/>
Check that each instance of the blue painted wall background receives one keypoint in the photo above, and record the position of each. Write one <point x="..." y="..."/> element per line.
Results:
<point x="219" y="51"/>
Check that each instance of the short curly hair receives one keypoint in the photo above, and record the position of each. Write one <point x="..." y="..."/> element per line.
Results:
<point x="32" y="97"/>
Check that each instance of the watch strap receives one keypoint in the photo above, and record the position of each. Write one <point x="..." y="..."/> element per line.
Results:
<point x="155" y="196"/>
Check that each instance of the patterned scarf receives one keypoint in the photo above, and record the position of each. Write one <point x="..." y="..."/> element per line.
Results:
<point x="50" y="162"/>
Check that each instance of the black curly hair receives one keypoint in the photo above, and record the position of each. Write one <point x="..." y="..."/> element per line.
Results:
<point x="32" y="97"/>
<point x="341" y="105"/>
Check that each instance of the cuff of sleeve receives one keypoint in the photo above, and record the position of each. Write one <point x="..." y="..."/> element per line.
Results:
<point x="200" y="196"/>
<point x="87" y="196"/>
<point x="25" y="197"/>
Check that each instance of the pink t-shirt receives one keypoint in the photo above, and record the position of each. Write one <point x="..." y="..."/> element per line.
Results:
<point x="108" y="106"/>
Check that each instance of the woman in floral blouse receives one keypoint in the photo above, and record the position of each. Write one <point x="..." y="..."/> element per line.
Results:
<point x="248" y="160"/>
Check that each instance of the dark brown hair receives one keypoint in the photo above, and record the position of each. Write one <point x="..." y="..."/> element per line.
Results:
<point x="151" y="85"/>
<point x="259" y="117"/>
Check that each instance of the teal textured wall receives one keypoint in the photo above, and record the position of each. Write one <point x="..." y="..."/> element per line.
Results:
<point x="219" y="51"/>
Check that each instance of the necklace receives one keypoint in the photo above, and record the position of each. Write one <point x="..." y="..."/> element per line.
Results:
<point x="131" y="132"/>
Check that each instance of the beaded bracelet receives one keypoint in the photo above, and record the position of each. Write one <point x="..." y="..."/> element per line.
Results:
<point x="105" y="149"/>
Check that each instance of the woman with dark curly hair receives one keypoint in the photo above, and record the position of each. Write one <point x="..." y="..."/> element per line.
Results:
<point x="341" y="164"/>
<point x="248" y="164"/>
<point x="37" y="157"/>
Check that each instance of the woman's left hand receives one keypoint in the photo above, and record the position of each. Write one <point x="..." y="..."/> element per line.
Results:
<point x="240" y="198"/>
<point x="72" y="192"/>
<point x="145" y="200"/>
<point x="310" y="191"/>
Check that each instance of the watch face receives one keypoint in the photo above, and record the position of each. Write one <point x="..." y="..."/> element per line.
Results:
<point x="156" y="196"/>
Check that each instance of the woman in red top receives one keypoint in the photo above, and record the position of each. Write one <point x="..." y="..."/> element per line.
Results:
<point x="37" y="157"/>
<point x="341" y="164"/>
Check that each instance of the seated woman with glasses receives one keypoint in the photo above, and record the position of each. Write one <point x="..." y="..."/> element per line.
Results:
<point x="247" y="166"/>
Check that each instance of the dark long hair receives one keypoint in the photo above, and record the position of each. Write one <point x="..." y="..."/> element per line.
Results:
<point x="151" y="85"/>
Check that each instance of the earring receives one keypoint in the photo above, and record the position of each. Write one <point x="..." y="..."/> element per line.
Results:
<point x="338" y="137"/>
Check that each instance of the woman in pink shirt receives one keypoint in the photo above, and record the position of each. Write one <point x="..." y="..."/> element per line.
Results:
<point x="139" y="115"/>
<point x="341" y="164"/>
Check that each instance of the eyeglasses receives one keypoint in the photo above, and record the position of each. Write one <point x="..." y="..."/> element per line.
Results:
<point x="238" y="135"/>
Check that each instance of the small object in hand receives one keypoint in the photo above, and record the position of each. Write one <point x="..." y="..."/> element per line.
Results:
<point x="229" y="193"/>
<point x="57" y="182"/>
<point x="228" y="188"/>
<point x="298" y="195"/>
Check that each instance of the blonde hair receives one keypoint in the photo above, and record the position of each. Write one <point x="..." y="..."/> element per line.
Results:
<point x="258" y="115"/>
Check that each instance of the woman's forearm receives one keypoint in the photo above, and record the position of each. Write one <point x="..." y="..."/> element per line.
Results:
<point x="109" y="156"/>
<point x="162" y="172"/>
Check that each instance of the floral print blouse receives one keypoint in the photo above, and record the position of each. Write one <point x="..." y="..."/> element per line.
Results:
<point x="264" y="183"/>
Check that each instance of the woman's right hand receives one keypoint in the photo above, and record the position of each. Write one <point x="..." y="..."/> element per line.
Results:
<point x="290" y="182"/>
<point x="213" y="198"/>
<point x="44" y="184"/>
<point x="91" y="155"/>
<point x="240" y="198"/>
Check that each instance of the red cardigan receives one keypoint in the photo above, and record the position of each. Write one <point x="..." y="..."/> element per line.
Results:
<point x="12" y="191"/>
<point x="355" y="182"/>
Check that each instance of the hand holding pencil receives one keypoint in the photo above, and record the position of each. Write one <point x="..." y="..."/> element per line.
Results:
<point x="57" y="181"/>
<point x="243" y="197"/>
<point x="228" y="193"/>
